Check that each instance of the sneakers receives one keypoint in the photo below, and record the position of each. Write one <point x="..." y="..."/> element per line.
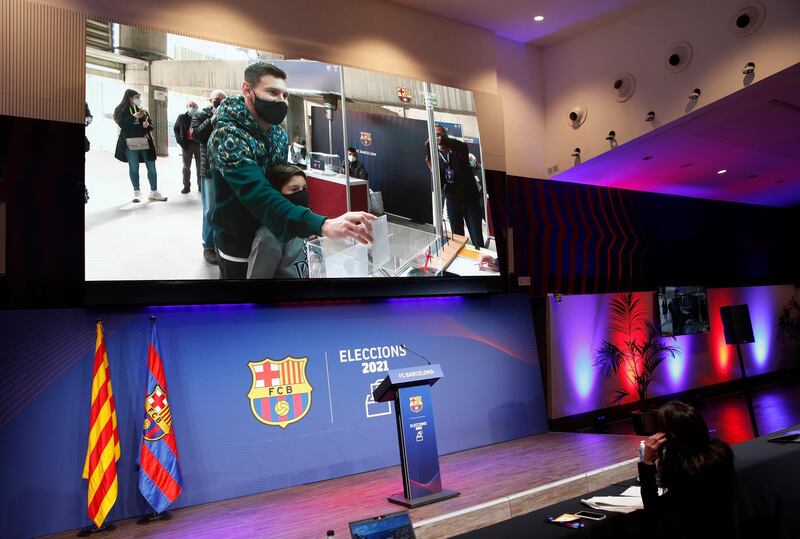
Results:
<point x="185" y="190"/>
<point x="137" y="196"/>
<point x="210" y="256"/>
<point x="155" y="196"/>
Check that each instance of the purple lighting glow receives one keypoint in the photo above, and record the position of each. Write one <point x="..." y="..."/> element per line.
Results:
<point x="763" y="316"/>
<point x="676" y="366"/>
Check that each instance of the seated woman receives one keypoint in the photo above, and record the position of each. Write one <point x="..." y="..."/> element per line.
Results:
<point x="273" y="259"/>
<point x="696" y="473"/>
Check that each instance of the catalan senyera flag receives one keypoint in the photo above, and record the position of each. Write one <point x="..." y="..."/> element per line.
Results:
<point x="160" y="479"/>
<point x="103" y="451"/>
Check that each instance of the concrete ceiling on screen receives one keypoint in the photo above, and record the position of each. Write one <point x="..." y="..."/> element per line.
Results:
<point x="753" y="134"/>
<point x="513" y="19"/>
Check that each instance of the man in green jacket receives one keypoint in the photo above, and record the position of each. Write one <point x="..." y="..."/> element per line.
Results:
<point x="246" y="142"/>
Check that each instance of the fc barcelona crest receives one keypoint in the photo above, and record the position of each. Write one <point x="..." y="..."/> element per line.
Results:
<point x="404" y="95"/>
<point x="280" y="393"/>
<point x="158" y="422"/>
<point x="415" y="403"/>
<point x="366" y="138"/>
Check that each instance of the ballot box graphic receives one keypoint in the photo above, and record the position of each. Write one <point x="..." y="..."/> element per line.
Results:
<point x="397" y="250"/>
<point x="410" y="390"/>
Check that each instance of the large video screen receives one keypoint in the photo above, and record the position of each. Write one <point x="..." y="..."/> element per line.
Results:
<point x="207" y="161"/>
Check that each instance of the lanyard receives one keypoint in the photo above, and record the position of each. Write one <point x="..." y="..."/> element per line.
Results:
<point x="445" y="159"/>
<point x="133" y="109"/>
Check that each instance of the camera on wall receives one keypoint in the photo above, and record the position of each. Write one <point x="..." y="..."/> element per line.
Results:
<point x="612" y="136"/>
<point x="650" y="116"/>
<point x="695" y="94"/>
<point x="749" y="67"/>
<point x="576" y="152"/>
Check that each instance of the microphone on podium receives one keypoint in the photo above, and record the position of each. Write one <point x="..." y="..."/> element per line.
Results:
<point x="428" y="361"/>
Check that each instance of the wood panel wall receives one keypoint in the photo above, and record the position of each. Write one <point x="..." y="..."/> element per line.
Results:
<point x="42" y="56"/>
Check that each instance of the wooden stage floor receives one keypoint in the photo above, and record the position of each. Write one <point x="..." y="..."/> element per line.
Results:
<point x="496" y="482"/>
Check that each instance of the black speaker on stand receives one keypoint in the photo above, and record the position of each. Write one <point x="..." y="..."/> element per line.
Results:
<point x="738" y="331"/>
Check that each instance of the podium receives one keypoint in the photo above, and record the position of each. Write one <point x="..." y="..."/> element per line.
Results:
<point x="410" y="389"/>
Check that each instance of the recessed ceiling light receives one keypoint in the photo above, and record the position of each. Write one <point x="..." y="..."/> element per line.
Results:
<point x="722" y="171"/>
<point x="538" y="18"/>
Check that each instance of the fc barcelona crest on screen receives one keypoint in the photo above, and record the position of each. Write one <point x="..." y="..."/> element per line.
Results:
<point x="404" y="95"/>
<point x="158" y="421"/>
<point x="366" y="138"/>
<point x="415" y="403"/>
<point x="280" y="393"/>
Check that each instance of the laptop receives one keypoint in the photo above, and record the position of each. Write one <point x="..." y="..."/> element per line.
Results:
<point x="392" y="526"/>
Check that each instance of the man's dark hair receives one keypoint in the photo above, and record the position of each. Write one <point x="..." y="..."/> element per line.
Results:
<point x="352" y="150"/>
<point x="280" y="174"/>
<point x="256" y="70"/>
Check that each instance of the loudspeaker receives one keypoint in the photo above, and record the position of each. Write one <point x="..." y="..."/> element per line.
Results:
<point x="577" y="115"/>
<point x="747" y="19"/>
<point x="736" y="323"/>
<point x="679" y="56"/>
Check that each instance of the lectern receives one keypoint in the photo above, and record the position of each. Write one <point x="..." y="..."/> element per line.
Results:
<point x="410" y="389"/>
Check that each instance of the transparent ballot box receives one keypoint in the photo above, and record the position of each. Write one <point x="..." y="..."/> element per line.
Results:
<point x="327" y="163"/>
<point x="396" y="251"/>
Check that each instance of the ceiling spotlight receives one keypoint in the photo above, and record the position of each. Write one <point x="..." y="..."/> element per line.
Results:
<point x="538" y="18"/>
<point x="611" y="136"/>
<point x="576" y="152"/>
<point x="722" y="171"/>
<point x="650" y="116"/>
<point x="749" y="67"/>
<point x="695" y="94"/>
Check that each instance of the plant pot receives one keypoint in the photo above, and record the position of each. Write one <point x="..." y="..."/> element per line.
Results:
<point x="645" y="423"/>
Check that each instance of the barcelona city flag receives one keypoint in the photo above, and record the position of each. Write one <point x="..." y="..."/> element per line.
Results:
<point x="160" y="479"/>
<point x="103" y="451"/>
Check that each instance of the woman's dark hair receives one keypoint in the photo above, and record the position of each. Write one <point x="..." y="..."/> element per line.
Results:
<point x="351" y="150"/>
<point x="124" y="104"/>
<point x="689" y="453"/>
<point x="280" y="174"/>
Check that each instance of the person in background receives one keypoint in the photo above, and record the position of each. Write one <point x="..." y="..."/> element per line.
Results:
<point x="297" y="152"/>
<point x="190" y="149"/>
<point x="476" y="173"/>
<point x="461" y="195"/>
<point x="246" y="141"/>
<point x="135" y="143"/>
<point x="696" y="474"/>
<point x="355" y="167"/>
<point x="676" y="314"/>
<point x="201" y="131"/>
<point x="86" y="145"/>
<point x="269" y="257"/>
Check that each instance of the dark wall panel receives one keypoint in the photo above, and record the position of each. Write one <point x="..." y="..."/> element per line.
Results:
<point x="573" y="238"/>
<point x="41" y="182"/>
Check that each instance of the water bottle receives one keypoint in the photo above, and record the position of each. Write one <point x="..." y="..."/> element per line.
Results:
<point x="641" y="450"/>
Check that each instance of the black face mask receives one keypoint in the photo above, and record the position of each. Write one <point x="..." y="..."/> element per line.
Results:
<point x="298" y="198"/>
<point x="272" y="112"/>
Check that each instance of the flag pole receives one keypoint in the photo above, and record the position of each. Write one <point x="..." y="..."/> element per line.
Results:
<point x="94" y="530"/>
<point x="155" y="517"/>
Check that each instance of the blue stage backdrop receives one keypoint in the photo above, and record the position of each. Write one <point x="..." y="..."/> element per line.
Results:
<point x="231" y="445"/>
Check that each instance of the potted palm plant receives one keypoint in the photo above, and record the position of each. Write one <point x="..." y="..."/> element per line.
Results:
<point x="641" y="351"/>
